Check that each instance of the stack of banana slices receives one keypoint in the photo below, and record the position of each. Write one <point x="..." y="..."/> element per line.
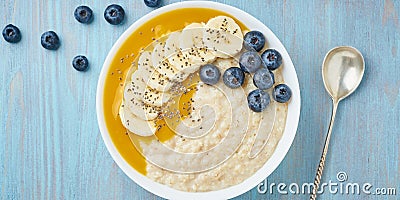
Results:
<point x="171" y="61"/>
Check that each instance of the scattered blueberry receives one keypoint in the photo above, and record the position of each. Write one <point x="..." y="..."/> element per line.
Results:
<point x="263" y="79"/>
<point x="258" y="100"/>
<point x="209" y="74"/>
<point x="254" y="40"/>
<point x="11" y="34"/>
<point x="80" y="63"/>
<point x="272" y="59"/>
<point x="83" y="14"/>
<point x="250" y="61"/>
<point x="282" y="93"/>
<point x="233" y="77"/>
<point x="50" y="40"/>
<point x="152" y="3"/>
<point x="114" y="14"/>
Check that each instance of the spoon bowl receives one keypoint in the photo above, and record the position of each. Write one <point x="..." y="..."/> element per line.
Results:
<point x="342" y="71"/>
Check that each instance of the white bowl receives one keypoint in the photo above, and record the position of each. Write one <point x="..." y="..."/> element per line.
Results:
<point x="283" y="146"/>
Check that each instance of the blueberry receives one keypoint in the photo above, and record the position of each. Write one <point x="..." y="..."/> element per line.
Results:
<point x="209" y="74"/>
<point x="233" y="77"/>
<point x="282" y="93"/>
<point x="152" y="3"/>
<point x="254" y="40"/>
<point x="83" y="14"/>
<point x="258" y="100"/>
<point x="263" y="79"/>
<point x="50" y="40"/>
<point x="80" y="63"/>
<point x="250" y="61"/>
<point x="114" y="14"/>
<point x="272" y="59"/>
<point x="11" y="34"/>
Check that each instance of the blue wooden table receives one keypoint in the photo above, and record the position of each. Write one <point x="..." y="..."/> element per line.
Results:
<point x="51" y="147"/>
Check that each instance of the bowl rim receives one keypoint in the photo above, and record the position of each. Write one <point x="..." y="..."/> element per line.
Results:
<point x="281" y="149"/>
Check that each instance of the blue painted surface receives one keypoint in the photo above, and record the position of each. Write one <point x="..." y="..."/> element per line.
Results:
<point x="50" y="145"/>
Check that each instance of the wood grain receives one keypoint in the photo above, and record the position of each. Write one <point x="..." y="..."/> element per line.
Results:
<point x="50" y="145"/>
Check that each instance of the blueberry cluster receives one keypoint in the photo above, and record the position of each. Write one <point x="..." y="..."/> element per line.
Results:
<point x="113" y="14"/>
<point x="261" y="68"/>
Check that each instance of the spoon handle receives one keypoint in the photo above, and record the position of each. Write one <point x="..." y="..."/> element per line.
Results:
<point x="324" y="152"/>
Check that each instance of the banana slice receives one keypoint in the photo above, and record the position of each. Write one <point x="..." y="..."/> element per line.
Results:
<point x="179" y="59"/>
<point x="171" y="71"/>
<point x="191" y="40"/>
<point x="136" y="125"/>
<point x="192" y="36"/>
<point x="145" y="93"/>
<point x="181" y="76"/>
<point x="135" y="94"/>
<point x="155" y="98"/>
<point x="156" y="81"/>
<point x="224" y="36"/>
<point x="145" y="63"/>
<point x="142" y="110"/>
<point x="163" y="66"/>
<point x="149" y="75"/>
<point x="135" y="87"/>
<point x="158" y="55"/>
<point x="225" y="63"/>
<point x="172" y="46"/>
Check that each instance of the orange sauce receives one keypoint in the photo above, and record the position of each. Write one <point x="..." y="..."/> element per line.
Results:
<point x="128" y="53"/>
